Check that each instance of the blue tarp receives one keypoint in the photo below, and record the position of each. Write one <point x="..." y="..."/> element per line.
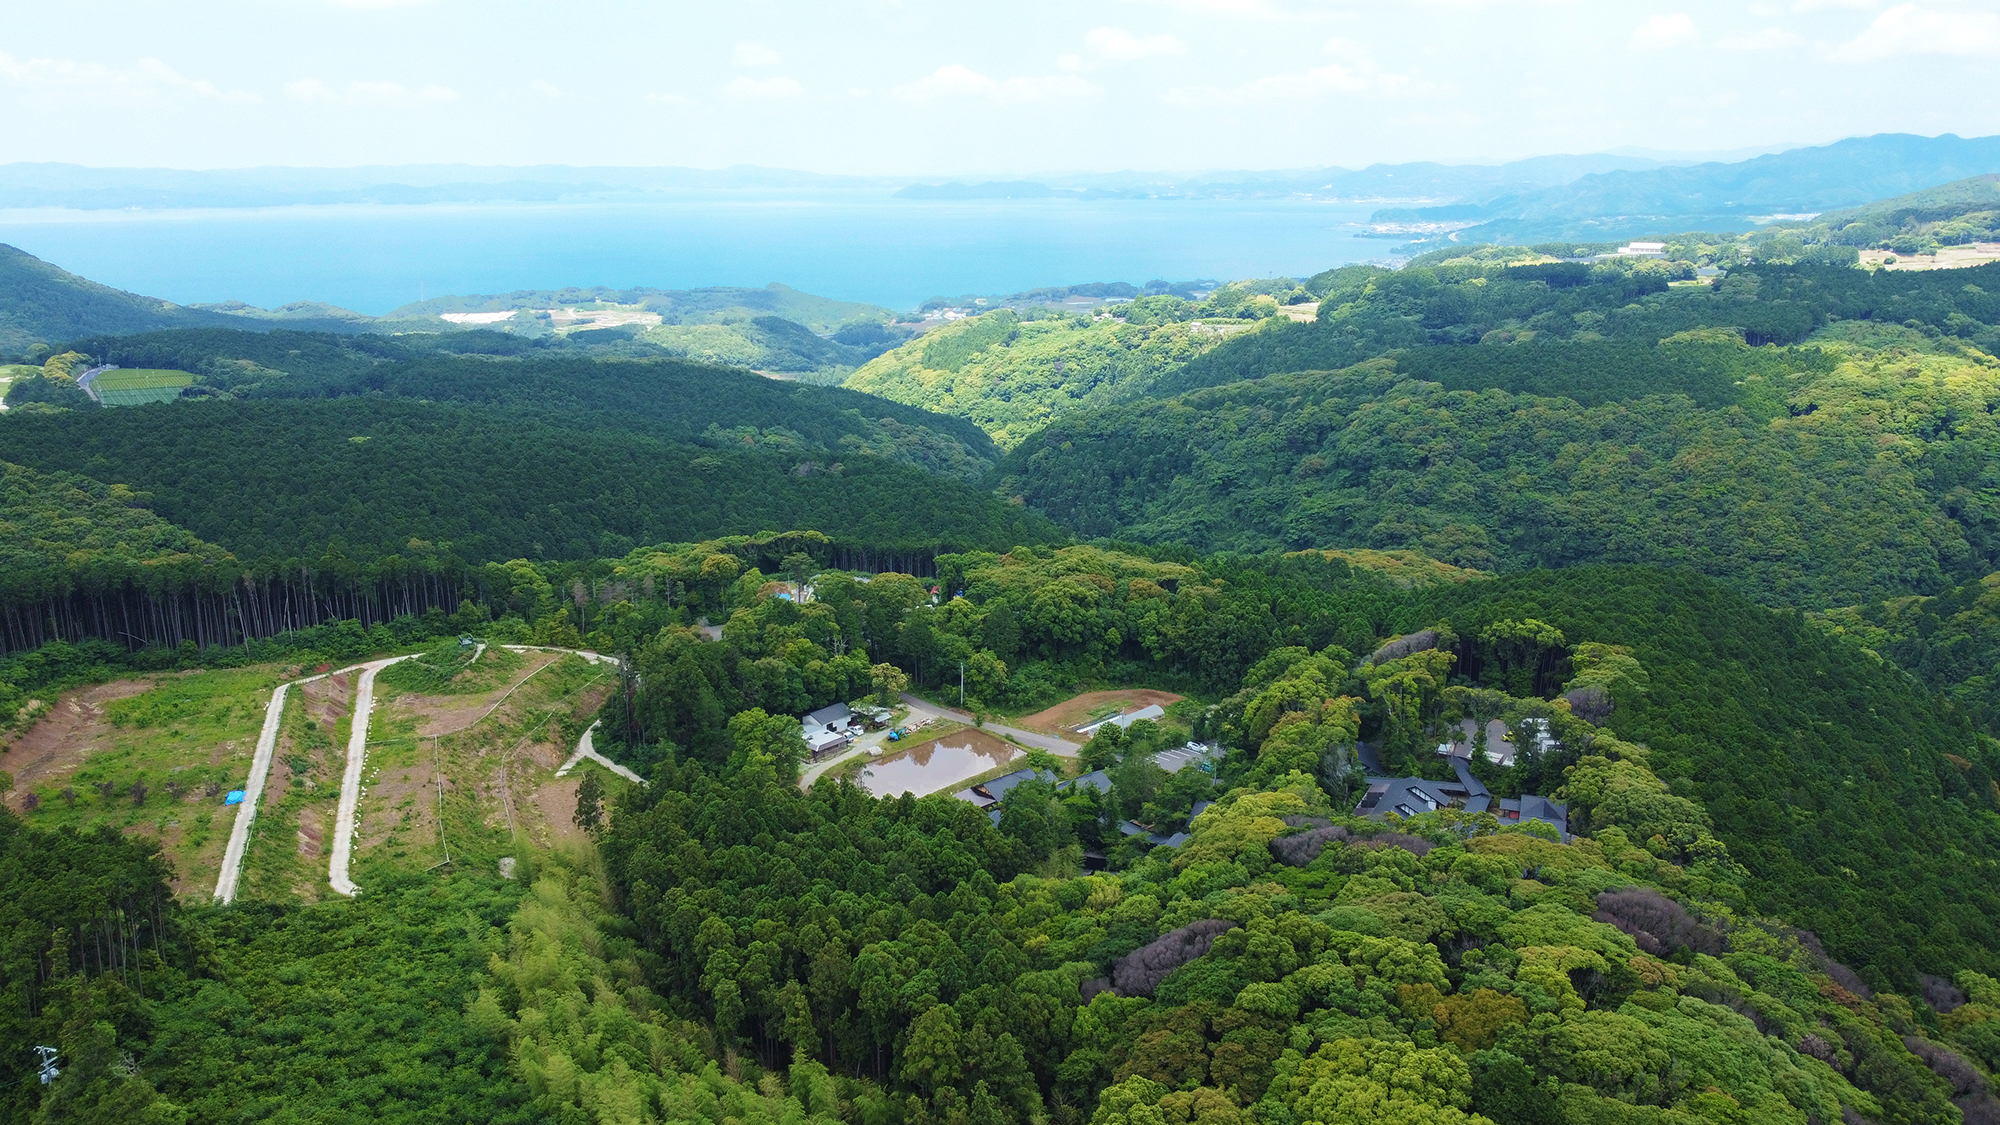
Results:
<point x="233" y="797"/>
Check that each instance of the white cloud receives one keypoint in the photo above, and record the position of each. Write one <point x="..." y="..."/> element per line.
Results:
<point x="955" y="80"/>
<point x="376" y="4"/>
<point x="669" y="99"/>
<point x="764" y="88"/>
<point x="1803" y="6"/>
<point x="756" y="54"/>
<point x="1911" y="29"/>
<point x="545" y="88"/>
<point x="368" y="94"/>
<point x="148" y="80"/>
<point x="1660" y="32"/>
<point x="1768" y="39"/>
<point x="1120" y="45"/>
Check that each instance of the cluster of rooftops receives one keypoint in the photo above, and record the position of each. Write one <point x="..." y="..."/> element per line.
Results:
<point x="1404" y="796"/>
<point x="1408" y="796"/>
<point x="987" y="794"/>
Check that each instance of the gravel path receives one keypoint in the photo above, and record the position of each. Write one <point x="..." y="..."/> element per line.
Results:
<point x="585" y="748"/>
<point x="1061" y="747"/>
<point x="350" y="782"/>
<point x="260" y="769"/>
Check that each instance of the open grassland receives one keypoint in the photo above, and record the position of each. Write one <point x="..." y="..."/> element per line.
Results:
<point x="153" y="755"/>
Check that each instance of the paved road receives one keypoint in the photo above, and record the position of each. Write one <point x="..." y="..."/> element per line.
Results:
<point x="586" y="748"/>
<point x="350" y="782"/>
<point x="1057" y="746"/>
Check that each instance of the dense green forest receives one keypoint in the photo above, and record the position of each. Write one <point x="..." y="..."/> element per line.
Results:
<point x="1854" y="466"/>
<point x="1919" y="223"/>
<point x="392" y="500"/>
<point x="1950" y="641"/>
<point x="1776" y="901"/>
<point x="368" y="476"/>
<point x="393" y="454"/>
<point x="1013" y="371"/>
<point x="1457" y="298"/>
<point x="669" y="398"/>
<point x="760" y="953"/>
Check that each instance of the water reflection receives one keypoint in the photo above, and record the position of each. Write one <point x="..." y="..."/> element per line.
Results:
<point x="931" y="768"/>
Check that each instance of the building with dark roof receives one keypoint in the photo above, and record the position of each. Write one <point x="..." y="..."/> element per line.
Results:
<point x="1409" y="796"/>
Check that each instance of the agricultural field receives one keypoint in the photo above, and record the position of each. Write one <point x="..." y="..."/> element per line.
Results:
<point x="136" y="386"/>
<point x="152" y="755"/>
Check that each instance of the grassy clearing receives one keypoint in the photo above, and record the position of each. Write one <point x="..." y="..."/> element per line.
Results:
<point x="287" y="857"/>
<point x="139" y="385"/>
<point x="158" y="762"/>
<point x="449" y="669"/>
<point x="140" y="379"/>
<point x="499" y="795"/>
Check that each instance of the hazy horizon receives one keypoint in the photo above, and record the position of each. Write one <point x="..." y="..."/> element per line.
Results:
<point x="888" y="88"/>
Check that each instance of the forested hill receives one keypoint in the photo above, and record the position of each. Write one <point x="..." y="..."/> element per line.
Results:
<point x="1479" y="296"/>
<point x="736" y="950"/>
<point x="55" y="527"/>
<point x="378" y="476"/>
<point x="1547" y="415"/>
<point x="43" y="304"/>
<point x="1013" y="371"/>
<point x="469" y="447"/>
<point x="1918" y="223"/>
<point x="672" y="398"/>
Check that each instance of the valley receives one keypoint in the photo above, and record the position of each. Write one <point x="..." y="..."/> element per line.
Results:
<point x="1527" y="684"/>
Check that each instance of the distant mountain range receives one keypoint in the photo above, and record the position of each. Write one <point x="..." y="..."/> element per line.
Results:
<point x="1716" y="196"/>
<point x="77" y="187"/>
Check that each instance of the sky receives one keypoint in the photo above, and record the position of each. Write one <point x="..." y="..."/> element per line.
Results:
<point x="933" y="87"/>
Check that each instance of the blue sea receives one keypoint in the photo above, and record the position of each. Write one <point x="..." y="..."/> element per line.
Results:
<point x="891" y="252"/>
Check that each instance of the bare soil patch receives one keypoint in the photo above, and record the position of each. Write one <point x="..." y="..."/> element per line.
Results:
<point x="1063" y="719"/>
<point x="449" y="714"/>
<point x="555" y="804"/>
<point x="328" y="701"/>
<point x="57" y="745"/>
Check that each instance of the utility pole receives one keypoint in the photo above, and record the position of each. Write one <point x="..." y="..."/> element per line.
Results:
<point x="961" y="683"/>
